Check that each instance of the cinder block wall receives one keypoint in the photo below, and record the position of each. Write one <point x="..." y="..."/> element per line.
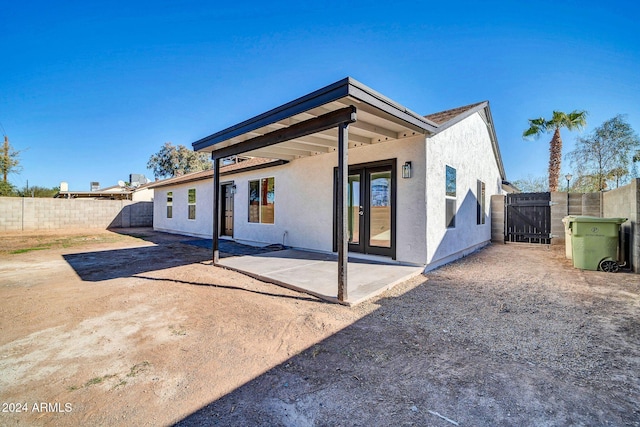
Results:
<point x="559" y="210"/>
<point x="624" y="202"/>
<point x="21" y="214"/>
<point x="588" y="204"/>
<point x="497" y="218"/>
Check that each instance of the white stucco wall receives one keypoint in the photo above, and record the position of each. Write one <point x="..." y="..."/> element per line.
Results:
<point x="304" y="200"/>
<point x="466" y="147"/>
<point x="179" y="223"/>
<point x="304" y="197"/>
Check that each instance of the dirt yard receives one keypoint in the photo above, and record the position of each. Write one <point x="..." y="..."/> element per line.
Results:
<point x="102" y="328"/>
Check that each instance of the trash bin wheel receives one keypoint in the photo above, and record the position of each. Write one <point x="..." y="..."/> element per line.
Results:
<point x="609" y="266"/>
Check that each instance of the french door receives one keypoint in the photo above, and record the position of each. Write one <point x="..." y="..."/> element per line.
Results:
<point x="226" y="210"/>
<point x="371" y="212"/>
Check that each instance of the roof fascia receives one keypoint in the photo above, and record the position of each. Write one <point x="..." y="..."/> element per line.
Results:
<point x="225" y="173"/>
<point x="365" y="94"/>
<point x="275" y="163"/>
<point x="175" y="181"/>
<point x="494" y="141"/>
<point x="319" y="97"/>
<point x="347" y="87"/>
<point x="307" y="127"/>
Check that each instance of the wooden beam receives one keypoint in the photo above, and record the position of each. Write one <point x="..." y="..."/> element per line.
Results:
<point x="279" y="150"/>
<point x="378" y="130"/>
<point x="267" y="154"/>
<point x="298" y="130"/>
<point x="331" y="136"/>
<point x="314" y="140"/>
<point x="301" y="145"/>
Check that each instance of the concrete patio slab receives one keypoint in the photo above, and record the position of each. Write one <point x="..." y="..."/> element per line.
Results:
<point x="317" y="273"/>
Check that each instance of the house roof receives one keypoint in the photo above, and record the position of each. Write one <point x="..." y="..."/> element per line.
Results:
<point x="447" y="118"/>
<point x="243" y="166"/>
<point x="442" y="117"/>
<point x="293" y="130"/>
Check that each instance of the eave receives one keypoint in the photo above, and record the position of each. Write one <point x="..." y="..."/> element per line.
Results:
<point x="379" y="119"/>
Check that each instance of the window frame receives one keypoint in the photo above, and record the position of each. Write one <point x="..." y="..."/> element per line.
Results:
<point x="169" y="204"/>
<point x="191" y="213"/>
<point x="451" y="198"/>
<point x="261" y="187"/>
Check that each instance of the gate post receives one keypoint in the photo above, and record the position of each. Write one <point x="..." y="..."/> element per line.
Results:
<point x="497" y="218"/>
<point x="559" y="208"/>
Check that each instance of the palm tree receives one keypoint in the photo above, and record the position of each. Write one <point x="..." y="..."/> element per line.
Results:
<point x="574" y="120"/>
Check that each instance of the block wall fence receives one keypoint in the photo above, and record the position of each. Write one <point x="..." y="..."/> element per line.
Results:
<point x="623" y="202"/>
<point x="24" y="214"/>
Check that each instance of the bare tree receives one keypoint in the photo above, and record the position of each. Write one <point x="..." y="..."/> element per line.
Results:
<point x="532" y="184"/>
<point x="602" y="159"/>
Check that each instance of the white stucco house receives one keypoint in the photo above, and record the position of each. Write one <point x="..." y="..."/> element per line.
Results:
<point x="345" y="169"/>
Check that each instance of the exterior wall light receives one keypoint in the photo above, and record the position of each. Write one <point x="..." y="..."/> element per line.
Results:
<point x="406" y="170"/>
<point x="233" y="189"/>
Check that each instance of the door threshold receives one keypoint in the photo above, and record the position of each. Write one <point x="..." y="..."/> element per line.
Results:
<point x="369" y="257"/>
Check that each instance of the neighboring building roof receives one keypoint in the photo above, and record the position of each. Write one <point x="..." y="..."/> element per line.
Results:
<point x="243" y="166"/>
<point x="109" y="195"/>
<point x="114" y="192"/>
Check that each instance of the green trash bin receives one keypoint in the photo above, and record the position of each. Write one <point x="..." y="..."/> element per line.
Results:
<point x="594" y="242"/>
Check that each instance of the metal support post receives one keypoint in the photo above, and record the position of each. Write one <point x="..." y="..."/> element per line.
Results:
<point x="216" y="209"/>
<point x="341" y="219"/>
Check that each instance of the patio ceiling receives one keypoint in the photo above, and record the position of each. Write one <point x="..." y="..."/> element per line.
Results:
<point x="304" y="127"/>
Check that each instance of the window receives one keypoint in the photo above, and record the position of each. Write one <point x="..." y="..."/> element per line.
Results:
<point x="169" y="204"/>
<point x="192" y="203"/>
<point x="481" y="203"/>
<point x="262" y="195"/>
<point x="450" y="197"/>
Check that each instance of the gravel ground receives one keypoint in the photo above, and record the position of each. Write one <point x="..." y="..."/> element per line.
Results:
<point x="143" y="330"/>
<point x="511" y="335"/>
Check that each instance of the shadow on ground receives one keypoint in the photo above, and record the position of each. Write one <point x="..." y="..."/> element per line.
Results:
<point x="442" y="354"/>
<point x="112" y="264"/>
<point x="170" y="250"/>
<point x="301" y="297"/>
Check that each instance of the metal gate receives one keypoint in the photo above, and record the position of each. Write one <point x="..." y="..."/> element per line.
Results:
<point x="528" y="218"/>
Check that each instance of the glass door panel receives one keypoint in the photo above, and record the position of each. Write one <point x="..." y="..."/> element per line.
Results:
<point x="370" y="216"/>
<point x="379" y="209"/>
<point x="354" y="209"/>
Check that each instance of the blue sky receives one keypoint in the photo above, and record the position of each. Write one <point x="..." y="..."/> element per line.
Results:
<point x="90" y="91"/>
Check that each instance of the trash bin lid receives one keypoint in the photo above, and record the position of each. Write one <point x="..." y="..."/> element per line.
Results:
<point x="584" y="218"/>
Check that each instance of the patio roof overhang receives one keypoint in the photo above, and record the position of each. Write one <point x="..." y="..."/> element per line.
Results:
<point x="307" y="126"/>
<point x="338" y="117"/>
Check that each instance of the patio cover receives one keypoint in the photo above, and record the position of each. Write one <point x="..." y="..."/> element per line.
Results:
<point x="343" y="115"/>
